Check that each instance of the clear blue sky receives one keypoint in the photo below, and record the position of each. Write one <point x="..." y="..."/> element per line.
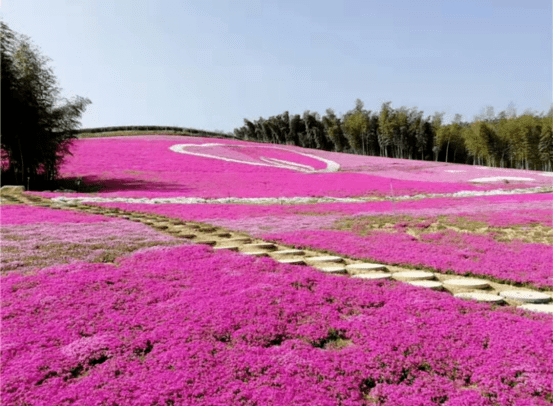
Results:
<point x="210" y="64"/>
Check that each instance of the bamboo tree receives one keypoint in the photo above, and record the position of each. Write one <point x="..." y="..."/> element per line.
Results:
<point x="385" y="135"/>
<point x="333" y="128"/>
<point x="37" y="129"/>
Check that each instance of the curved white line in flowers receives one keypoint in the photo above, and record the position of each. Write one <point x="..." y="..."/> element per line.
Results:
<point x="287" y="165"/>
<point x="331" y="166"/>
<point x="500" y="178"/>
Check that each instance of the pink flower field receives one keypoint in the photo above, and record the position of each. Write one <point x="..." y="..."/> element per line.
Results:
<point x="105" y="311"/>
<point x="166" y="166"/>
<point x="444" y="250"/>
<point x="186" y="326"/>
<point x="35" y="237"/>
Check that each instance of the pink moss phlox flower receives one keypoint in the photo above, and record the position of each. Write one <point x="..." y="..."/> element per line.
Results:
<point x="184" y="325"/>
<point x="146" y="167"/>
<point x="20" y="215"/>
<point x="443" y="251"/>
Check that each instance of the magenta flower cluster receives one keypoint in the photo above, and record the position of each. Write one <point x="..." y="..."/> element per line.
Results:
<point x="459" y="253"/>
<point x="59" y="236"/>
<point x="146" y="167"/>
<point x="496" y="211"/>
<point x="186" y="326"/>
<point x="20" y="215"/>
<point x="308" y="226"/>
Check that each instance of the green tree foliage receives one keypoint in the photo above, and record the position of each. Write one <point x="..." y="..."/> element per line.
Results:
<point x="505" y="140"/>
<point x="356" y="126"/>
<point x="386" y="131"/>
<point x="545" y="146"/>
<point x="334" y="129"/>
<point x="36" y="129"/>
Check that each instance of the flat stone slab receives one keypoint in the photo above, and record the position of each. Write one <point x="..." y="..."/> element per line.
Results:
<point x="12" y="189"/>
<point x="263" y="245"/>
<point x="374" y="275"/>
<point x="540" y="308"/>
<point x="240" y="239"/>
<point x="206" y="229"/>
<point x="186" y="235"/>
<point x="480" y="297"/>
<point x="256" y="254"/>
<point x="413" y="275"/>
<point x="207" y="242"/>
<point x="333" y="269"/>
<point x="362" y="268"/>
<point x="222" y="234"/>
<point x="467" y="283"/>
<point x="288" y="252"/>
<point x="291" y="261"/>
<point x="427" y="284"/>
<point x="525" y="296"/>
<point x="324" y="259"/>
<point x="230" y="248"/>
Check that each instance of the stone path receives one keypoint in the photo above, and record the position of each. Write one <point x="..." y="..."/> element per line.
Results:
<point x="221" y="239"/>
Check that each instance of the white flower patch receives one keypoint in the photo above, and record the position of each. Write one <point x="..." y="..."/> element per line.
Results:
<point x="293" y="200"/>
<point x="500" y="178"/>
<point x="547" y="174"/>
<point x="455" y="171"/>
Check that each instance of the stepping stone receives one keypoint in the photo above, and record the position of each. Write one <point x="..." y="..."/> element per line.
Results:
<point x="288" y="252"/>
<point x="333" y="269"/>
<point x="262" y="245"/>
<point x="207" y="242"/>
<point x="374" y="275"/>
<point x="230" y="248"/>
<point x="256" y="254"/>
<point x="480" y="297"/>
<point x="12" y="189"/>
<point x="206" y="229"/>
<point x="362" y="268"/>
<point x="413" y="275"/>
<point x="526" y="296"/>
<point x="540" y="308"/>
<point x="240" y="239"/>
<point x="222" y="234"/>
<point x="427" y="284"/>
<point x="186" y="235"/>
<point x="467" y="283"/>
<point x="324" y="259"/>
<point x="179" y="227"/>
<point x="193" y="226"/>
<point x="291" y="261"/>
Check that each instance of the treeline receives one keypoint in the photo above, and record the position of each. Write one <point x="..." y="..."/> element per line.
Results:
<point x="36" y="128"/>
<point x="183" y="130"/>
<point x="523" y="142"/>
